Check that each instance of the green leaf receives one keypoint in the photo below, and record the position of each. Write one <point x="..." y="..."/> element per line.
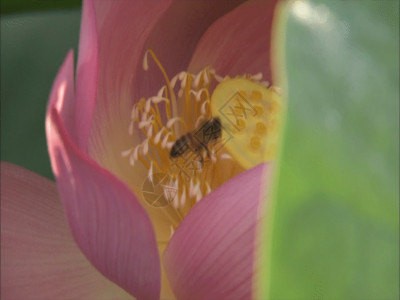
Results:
<point x="33" y="47"/>
<point x="333" y="232"/>
<point x="19" y="6"/>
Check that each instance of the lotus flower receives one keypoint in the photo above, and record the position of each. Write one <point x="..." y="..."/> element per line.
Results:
<point x="147" y="73"/>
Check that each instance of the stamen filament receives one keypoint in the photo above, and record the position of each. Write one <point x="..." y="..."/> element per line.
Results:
<point x="171" y="91"/>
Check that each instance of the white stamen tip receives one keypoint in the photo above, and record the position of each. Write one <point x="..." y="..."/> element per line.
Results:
<point x="257" y="76"/>
<point x="165" y="140"/>
<point x="149" y="132"/>
<point x="225" y="156"/>
<point x="203" y="107"/>
<point x="197" y="79"/>
<point x="161" y="91"/>
<point x="208" y="188"/>
<point x="199" y="195"/>
<point x="131" y="160"/>
<point x="173" y="81"/>
<point x="145" y="148"/>
<point x="265" y="83"/>
<point x="213" y="157"/>
<point x="147" y="106"/>
<point x="194" y="189"/>
<point x="157" y="137"/>
<point x="182" y="75"/>
<point x="219" y="78"/>
<point x="125" y="153"/>
<point x="183" y="81"/>
<point x="172" y="122"/>
<point x="150" y="173"/>
<point x="276" y="89"/>
<point x="136" y="153"/>
<point x="199" y="119"/>
<point x="206" y="79"/>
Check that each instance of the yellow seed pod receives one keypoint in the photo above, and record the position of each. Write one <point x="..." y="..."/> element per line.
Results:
<point x="246" y="110"/>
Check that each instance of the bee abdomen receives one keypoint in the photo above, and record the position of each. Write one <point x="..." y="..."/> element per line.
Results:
<point x="179" y="147"/>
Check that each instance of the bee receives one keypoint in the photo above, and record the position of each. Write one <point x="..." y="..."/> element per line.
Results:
<point x="198" y="140"/>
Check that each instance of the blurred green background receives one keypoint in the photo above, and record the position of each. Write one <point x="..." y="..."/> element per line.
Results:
<point x="335" y="226"/>
<point x="335" y="231"/>
<point x="33" y="46"/>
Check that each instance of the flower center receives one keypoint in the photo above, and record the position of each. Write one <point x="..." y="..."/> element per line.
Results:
<point x="194" y="142"/>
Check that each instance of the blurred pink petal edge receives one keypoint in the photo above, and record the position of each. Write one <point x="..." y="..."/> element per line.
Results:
<point x="109" y="225"/>
<point x="211" y="254"/>
<point x="238" y="42"/>
<point x="39" y="258"/>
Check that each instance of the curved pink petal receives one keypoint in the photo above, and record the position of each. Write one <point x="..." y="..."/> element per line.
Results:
<point x="106" y="220"/>
<point x="39" y="258"/>
<point x="86" y="74"/>
<point x="126" y="30"/>
<point x="123" y="27"/>
<point x="174" y="38"/>
<point x="239" y="42"/>
<point x="211" y="254"/>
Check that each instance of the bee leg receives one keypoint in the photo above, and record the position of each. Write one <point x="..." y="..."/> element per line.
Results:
<point x="208" y="153"/>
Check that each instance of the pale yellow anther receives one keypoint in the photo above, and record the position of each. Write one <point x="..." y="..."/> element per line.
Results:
<point x="255" y="143"/>
<point x="261" y="128"/>
<point x="258" y="110"/>
<point x="243" y="94"/>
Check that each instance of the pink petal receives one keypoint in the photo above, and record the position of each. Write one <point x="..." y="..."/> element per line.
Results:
<point x="123" y="27"/>
<point x="106" y="220"/>
<point x="174" y="38"/>
<point x="86" y="75"/>
<point x="211" y="254"/>
<point x="239" y="42"/>
<point x="126" y="30"/>
<point x="39" y="258"/>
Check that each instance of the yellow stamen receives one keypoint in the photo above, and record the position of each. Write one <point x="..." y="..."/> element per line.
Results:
<point x="171" y="91"/>
<point x="248" y="111"/>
